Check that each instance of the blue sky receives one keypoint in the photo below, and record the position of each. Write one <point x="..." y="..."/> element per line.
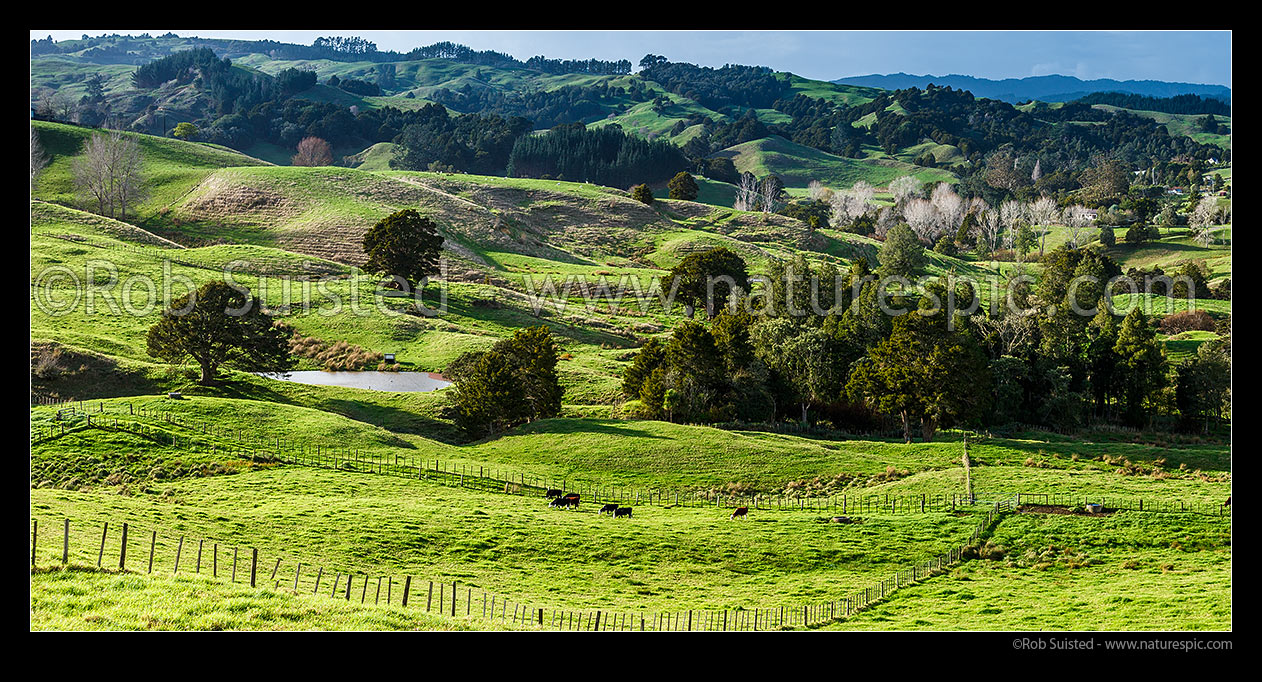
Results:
<point x="1185" y="56"/>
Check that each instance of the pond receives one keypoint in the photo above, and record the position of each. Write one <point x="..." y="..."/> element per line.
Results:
<point x="404" y="382"/>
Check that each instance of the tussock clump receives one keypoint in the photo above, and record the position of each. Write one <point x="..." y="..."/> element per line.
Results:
<point x="51" y="361"/>
<point x="820" y="486"/>
<point x="890" y="474"/>
<point x="336" y="356"/>
<point x="988" y="550"/>
<point x="1051" y="556"/>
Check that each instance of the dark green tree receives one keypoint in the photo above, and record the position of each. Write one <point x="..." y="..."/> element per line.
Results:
<point x="642" y="194"/>
<point x="487" y="399"/>
<point x="650" y="357"/>
<point x="683" y="186"/>
<point x="404" y="244"/>
<point x="926" y="372"/>
<point x="1141" y="365"/>
<point x="512" y="383"/>
<point x="902" y="254"/>
<point x="220" y="325"/>
<point x="1203" y="384"/>
<point x="707" y="279"/>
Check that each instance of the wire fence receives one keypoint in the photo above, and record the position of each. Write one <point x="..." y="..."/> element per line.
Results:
<point x="217" y="439"/>
<point x="128" y="549"/>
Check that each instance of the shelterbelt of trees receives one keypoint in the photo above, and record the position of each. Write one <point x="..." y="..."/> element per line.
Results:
<point x="833" y="350"/>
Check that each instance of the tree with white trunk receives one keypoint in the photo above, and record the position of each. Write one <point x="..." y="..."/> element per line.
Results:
<point x="851" y="204"/>
<point x="1077" y="219"/>
<point x="950" y="207"/>
<point x="904" y="189"/>
<point x="922" y="217"/>
<point x="1044" y="212"/>
<point x="747" y="193"/>
<point x="1203" y="217"/>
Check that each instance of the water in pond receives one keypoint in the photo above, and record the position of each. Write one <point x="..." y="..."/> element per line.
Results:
<point x="407" y="382"/>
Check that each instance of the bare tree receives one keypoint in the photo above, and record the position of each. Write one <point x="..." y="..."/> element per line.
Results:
<point x="1044" y="212"/>
<point x="818" y="192"/>
<point x="39" y="160"/>
<point x="904" y="189"/>
<point x="1077" y="219"/>
<point x="1203" y="217"/>
<point x="772" y="191"/>
<point x="109" y="173"/>
<point x="991" y="227"/>
<point x="851" y="204"/>
<point x="922" y="217"/>
<point x="313" y="151"/>
<point x="747" y="193"/>
<point x="949" y="206"/>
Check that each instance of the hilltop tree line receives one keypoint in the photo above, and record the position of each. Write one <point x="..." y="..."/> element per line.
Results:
<point x="604" y="156"/>
<point x="1178" y="104"/>
<point x="546" y="108"/>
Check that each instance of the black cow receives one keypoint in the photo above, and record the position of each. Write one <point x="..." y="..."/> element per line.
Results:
<point x="552" y="493"/>
<point x="622" y="511"/>
<point x="608" y="508"/>
<point x="559" y="503"/>
<point x="740" y="511"/>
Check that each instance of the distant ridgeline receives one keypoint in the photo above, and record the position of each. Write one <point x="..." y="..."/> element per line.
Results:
<point x="1052" y="88"/>
<point x="478" y="122"/>
<point x="338" y="48"/>
<point x="1179" y="104"/>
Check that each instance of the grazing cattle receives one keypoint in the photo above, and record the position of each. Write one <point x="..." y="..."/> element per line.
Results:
<point x="622" y="511"/>
<point x="559" y="503"/>
<point x="1228" y="502"/>
<point x="552" y="493"/>
<point x="608" y="508"/>
<point x="740" y="511"/>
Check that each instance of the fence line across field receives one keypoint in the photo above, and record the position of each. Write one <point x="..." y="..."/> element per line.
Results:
<point x="450" y="598"/>
<point x="291" y="451"/>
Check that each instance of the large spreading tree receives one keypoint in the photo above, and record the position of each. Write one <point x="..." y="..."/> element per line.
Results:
<point x="708" y="278"/>
<point x="406" y="245"/>
<point x="221" y="325"/>
<point x="924" y="371"/>
<point x="512" y="383"/>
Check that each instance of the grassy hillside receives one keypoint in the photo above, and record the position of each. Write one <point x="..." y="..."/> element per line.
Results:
<point x="1128" y="571"/>
<point x="82" y="598"/>
<point x="798" y="165"/>
<point x="1182" y="124"/>
<point x="171" y="167"/>
<point x="198" y="468"/>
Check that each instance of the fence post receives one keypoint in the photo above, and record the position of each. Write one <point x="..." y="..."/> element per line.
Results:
<point x="104" y="529"/>
<point x="65" y="544"/>
<point x="406" y="586"/>
<point x="178" y="551"/>
<point x="254" y="565"/>
<point x="153" y="540"/>
<point x="34" y="538"/>
<point x="122" y="554"/>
